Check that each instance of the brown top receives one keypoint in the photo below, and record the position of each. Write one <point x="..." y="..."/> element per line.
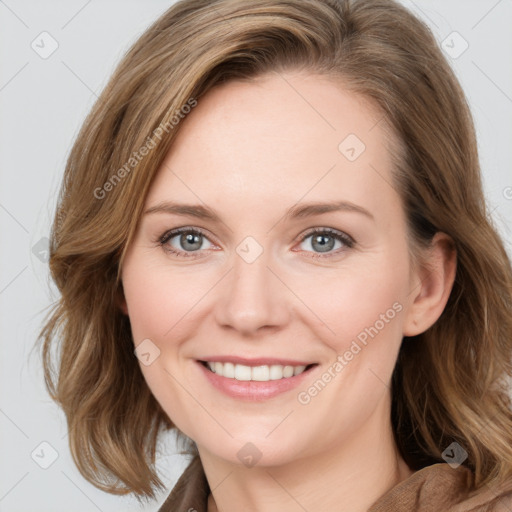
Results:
<point x="436" y="488"/>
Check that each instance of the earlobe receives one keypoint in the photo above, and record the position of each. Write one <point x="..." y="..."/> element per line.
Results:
<point x="431" y="286"/>
<point x="123" y="306"/>
<point x="121" y="301"/>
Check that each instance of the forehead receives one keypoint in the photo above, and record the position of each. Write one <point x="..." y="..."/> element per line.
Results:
<point x="278" y="138"/>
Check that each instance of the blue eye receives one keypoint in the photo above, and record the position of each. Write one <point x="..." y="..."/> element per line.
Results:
<point x="325" y="240"/>
<point x="190" y="242"/>
<point x="184" y="240"/>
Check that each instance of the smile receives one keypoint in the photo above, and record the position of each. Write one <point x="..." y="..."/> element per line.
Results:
<point x="261" y="373"/>
<point x="257" y="379"/>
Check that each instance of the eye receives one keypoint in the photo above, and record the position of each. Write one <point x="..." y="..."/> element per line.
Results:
<point x="184" y="240"/>
<point x="325" y="241"/>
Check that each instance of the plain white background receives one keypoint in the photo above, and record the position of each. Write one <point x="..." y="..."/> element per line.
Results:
<point x="43" y="102"/>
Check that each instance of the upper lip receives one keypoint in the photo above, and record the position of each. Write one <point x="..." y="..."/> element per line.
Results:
<point x="258" y="361"/>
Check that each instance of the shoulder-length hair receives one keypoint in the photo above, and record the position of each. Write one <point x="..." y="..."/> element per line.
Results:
<point x="450" y="382"/>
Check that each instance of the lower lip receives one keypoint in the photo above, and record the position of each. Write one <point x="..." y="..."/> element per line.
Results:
<point x="253" y="390"/>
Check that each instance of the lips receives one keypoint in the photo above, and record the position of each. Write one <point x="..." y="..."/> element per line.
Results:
<point x="256" y="361"/>
<point x="254" y="379"/>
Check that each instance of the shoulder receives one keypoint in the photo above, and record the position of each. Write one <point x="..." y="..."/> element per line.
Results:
<point x="190" y="492"/>
<point x="440" y="487"/>
<point x="434" y="488"/>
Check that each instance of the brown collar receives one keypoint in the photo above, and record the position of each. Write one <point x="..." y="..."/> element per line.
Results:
<point x="436" y="488"/>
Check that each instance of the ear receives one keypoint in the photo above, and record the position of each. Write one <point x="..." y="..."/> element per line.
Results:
<point x="431" y="285"/>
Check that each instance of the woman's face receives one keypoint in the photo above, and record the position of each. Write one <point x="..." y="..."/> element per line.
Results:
<point x="273" y="246"/>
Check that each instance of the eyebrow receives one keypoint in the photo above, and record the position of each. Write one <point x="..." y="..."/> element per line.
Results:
<point x="295" y="212"/>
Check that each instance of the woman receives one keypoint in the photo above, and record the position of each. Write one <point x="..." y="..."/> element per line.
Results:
<point x="278" y="205"/>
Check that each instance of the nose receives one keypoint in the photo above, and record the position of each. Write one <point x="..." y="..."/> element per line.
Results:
<point x="251" y="298"/>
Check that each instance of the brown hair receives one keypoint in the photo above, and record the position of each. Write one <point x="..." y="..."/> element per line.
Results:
<point x="449" y="383"/>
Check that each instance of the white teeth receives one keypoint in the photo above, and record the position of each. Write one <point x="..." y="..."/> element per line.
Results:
<point x="260" y="373"/>
<point x="298" y="369"/>
<point x="256" y="373"/>
<point x="288" y="371"/>
<point x="241" y="372"/>
<point x="276" y="372"/>
<point x="228" y="370"/>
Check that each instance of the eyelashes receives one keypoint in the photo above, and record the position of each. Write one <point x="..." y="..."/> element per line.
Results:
<point x="187" y="235"/>
<point x="320" y="235"/>
<point x="195" y="238"/>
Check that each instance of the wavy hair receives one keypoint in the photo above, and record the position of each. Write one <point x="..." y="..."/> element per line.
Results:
<point x="450" y="382"/>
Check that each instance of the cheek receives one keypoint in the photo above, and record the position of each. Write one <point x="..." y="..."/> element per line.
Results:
<point x="159" y="304"/>
<point x="360" y="303"/>
<point x="159" y="299"/>
<point x="363" y="310"/>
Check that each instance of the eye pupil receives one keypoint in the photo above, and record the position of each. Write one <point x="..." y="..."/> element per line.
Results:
<point x="325" y="243"/>
<point x="194" y="239"/>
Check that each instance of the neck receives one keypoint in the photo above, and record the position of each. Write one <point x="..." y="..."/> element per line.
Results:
<point x="347" y="477"/>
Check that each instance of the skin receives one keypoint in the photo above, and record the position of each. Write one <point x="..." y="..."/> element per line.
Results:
<point x="251" y="151"/>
